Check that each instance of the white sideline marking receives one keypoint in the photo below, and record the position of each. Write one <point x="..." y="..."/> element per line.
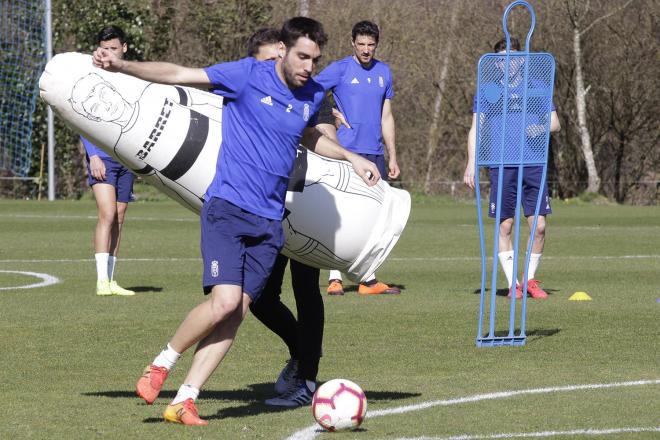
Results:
<point x="540" y="434"/>
<point x="550" y="257"/>
<point x="87" y="260"/>
<point x="564" y="257"/>
<point x="312" y="431"/>
<point x="46" y="280"/>
<point x="93" y="217"/>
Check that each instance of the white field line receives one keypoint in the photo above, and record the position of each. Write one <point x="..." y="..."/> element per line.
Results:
<point x="311" y="432"/>
<point x="87" y="260"/>
<point x="46" y="280"/>
<point x="93" y="217"/>
<point x="550" y="257"/>
<point x="195" y="219"/>
<point x="589" y="431"/>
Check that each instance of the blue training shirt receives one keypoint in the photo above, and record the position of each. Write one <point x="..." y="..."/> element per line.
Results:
<point x="93" y="150"/>
<point x="492" y="105"/>
<point x="262" y="123"/>
<point x="359" y="94"/>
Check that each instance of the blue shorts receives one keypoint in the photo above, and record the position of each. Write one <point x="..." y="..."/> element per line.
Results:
<point x="238" y="247"/>
<point x="116" y="175"/>
<point x="531" y="183"/>
<point x="379" y="160"/>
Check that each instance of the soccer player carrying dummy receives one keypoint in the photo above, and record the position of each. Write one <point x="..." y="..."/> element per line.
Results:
<point x="268" y="106"/>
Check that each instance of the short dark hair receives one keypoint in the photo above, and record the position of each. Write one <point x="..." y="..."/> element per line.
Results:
<point x="109" y="33"/>
<point x="297" y="27"/>
<point x="501" y="45"/>
<point x="261" y="37"/>
<point x="367" y="28"/>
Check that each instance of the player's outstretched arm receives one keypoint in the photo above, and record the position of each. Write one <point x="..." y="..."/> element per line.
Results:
<point x="468" y="176"/>
<point x="154" y="71"/>
<point x="324" y="146"/>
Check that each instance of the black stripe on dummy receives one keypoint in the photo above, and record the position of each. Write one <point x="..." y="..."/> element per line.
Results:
<point x="297" y="176"/>
<point x="192" y="146"/>
<point x="183" y="96"/>
<point x="145" y="170"/>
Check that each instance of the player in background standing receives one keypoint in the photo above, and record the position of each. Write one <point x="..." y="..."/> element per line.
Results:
<point x="362" y="89"/>
<point x="531" y="185"/>
<point x="112" y="185"/>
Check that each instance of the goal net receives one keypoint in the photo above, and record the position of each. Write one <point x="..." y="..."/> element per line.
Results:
<point x="22" y="57"/>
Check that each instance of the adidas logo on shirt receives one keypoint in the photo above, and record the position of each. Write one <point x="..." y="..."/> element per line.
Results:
<point x="355" y="81"/>
<point x="267" y="100"/>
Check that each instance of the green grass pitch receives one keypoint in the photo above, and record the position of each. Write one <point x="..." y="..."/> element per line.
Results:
<point x="70" y="359"/>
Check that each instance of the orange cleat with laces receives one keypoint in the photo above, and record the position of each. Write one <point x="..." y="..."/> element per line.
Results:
<point x="377" y="288"/>
<point x="519" y="292"/>
<point x="335" y="287"/>
<point x="535" y="291"/>
<point x="184" y="413"/>
<point x="149" y="385"/>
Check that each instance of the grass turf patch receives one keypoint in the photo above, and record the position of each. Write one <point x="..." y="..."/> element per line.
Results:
<point x="71" y="359"/>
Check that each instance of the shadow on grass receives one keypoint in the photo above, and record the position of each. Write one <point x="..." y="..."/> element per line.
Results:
<point x="505" y="292"/>
<point x="145" y="289"/>
<point x="353" y="288"/>
<point x="252" y="398"/>
<point x="532" y="335"/>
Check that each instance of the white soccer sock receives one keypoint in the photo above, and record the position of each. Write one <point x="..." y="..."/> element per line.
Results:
<point x="167" y="358"/>
<point x="534" y="260"/>
<point x="506" y="261"/>
<point x="185" y="392"/>
<point x="111" y="266"/>
<point x="102" y="266"/>
<point x="334" y="275"/>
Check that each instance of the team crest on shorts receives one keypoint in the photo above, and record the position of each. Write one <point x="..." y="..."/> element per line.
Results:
<point x="306" y="112"/>
<point x="492" y="208"/>
<point x="215" y="269"/>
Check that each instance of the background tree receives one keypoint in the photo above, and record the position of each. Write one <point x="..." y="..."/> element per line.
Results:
<point x="606" y="90"/>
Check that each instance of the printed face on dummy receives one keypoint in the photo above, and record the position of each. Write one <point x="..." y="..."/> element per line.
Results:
<point x="104" y="103"/>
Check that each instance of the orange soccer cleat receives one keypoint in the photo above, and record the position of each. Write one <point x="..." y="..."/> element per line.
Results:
<point x="149" y="385"/>
<point x="185" y="413"/>
<point x="335" y="288"/>
<point x="519" y="292"/>
<point x="377" y="288"/>
<point x="535" y="291"/>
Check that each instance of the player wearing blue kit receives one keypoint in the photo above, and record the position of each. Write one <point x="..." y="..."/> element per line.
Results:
<point x="362" y="89"/>
<point x="531" y="184"/>
<point x="267" y="107"/>
<point x="112" y="184"/>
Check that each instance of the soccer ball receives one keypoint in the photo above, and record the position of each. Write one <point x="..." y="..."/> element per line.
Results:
<point x="339" y="405"/>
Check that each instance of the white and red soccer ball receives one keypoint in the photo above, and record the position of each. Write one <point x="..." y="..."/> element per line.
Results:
<point x="339" y="405"/>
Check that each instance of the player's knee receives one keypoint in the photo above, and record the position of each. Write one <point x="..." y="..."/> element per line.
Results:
<point x="505" y="227"/>
<point x="107" y="216"/>
<point x="225" y="306"/>
<point x="540" y="227"/>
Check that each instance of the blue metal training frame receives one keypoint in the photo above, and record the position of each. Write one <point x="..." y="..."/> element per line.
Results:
<point x="514" y="106"/>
